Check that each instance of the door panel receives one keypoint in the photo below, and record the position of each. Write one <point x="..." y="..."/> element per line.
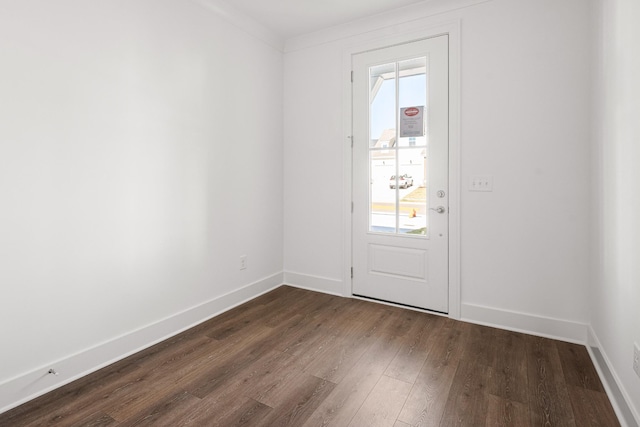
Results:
<point x="400" y="174"/>
<point x="401" y="262"/>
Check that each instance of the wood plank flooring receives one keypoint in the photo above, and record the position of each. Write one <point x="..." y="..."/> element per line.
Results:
<point x="299" y="358"/>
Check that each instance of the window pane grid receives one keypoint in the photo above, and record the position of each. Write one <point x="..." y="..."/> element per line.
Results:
<point x="397" y="165"/>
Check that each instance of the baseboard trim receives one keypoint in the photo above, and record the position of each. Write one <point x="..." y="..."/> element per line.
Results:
<point x="314" y="283"/>
<point x="559" y="329"/>
<point x="618" y="396"/>
<point x="23" y="388"/>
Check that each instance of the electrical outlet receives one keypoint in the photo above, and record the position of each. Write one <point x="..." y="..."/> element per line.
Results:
<point x="243" y="262"/>
<point x="636" y="359"/>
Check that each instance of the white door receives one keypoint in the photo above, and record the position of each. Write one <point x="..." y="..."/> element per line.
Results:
<point x="400" y="174"/>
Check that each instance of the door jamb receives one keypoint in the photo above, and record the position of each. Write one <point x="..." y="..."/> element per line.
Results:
<point x="453" y="30"/>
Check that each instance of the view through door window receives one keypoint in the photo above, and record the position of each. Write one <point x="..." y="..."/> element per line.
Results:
<point x="398" y="149"/>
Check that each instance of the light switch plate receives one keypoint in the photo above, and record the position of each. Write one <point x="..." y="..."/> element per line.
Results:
<point x="481" y="183"/>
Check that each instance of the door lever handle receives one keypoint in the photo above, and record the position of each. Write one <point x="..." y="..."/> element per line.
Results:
<point x="439" y="209"/>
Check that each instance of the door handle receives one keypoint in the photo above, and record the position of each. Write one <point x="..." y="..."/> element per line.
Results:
<point x="439" y="209"/>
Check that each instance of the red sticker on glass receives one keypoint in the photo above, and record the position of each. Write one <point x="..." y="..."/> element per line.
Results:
<point x="413" y="111"/>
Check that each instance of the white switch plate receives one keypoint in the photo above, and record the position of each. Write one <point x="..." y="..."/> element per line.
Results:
<point x="636" y="359"/>
<point x="481" y="183"/>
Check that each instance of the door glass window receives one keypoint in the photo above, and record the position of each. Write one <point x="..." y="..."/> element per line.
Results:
<point x="398" y="148"/>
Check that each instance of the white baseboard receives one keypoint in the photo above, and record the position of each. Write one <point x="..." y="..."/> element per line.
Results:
<point x="23" y="388"/>
<point x="564" y="330"/>
<point x="620" y="399"/>
<point x="314" y="283"/>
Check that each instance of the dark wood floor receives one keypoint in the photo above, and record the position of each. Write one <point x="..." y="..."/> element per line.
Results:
<point x="299" y="358"/>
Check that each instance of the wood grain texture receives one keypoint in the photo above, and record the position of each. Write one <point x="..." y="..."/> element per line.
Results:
<point x="506" y="413"/>
<point x="97" y="420"/>
<point x="467" y="401"/>
<point x="509" y="367"/>
<point x="426" y="403"/>
<point x="549" y="402"/>
<point x="591" y="408"/>
<point x="169" y="411"/>
<point x="238" y="411"/>
<point x="348" y="396"/>
<point x="382" y="406"/>
<point x="294" y="357"/>
<point x="298" y="405"/>
<point x="411" y="357"/>
<point x="577" y="367"/>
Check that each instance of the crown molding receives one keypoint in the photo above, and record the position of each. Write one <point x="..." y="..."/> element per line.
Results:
<point x="243" y="22"/>
<point x="369" y="24"/>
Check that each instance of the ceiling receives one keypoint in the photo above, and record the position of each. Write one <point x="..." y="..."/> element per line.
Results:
<point x="290" y="18"/>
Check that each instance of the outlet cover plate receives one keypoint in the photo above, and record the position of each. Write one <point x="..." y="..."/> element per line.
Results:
<point x="636" y="359"/>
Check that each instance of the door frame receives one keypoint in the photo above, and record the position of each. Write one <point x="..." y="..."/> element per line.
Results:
<point x="451" y="28"/>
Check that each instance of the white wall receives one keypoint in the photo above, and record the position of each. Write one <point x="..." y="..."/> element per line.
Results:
<point x="615" y="297"/>
<point x="313" y="162"/>
<point x="140" y="156"/>
<point x="525" y="88"/>
<point x="525" y="98"/>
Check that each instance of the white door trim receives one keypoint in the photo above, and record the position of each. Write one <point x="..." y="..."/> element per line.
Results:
<point x="453" y="30"/>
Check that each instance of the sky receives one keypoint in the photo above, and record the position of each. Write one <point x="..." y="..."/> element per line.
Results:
<point x="412" y="94"/>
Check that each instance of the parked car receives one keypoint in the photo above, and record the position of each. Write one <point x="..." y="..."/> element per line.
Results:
<point x="404" y="181"/>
